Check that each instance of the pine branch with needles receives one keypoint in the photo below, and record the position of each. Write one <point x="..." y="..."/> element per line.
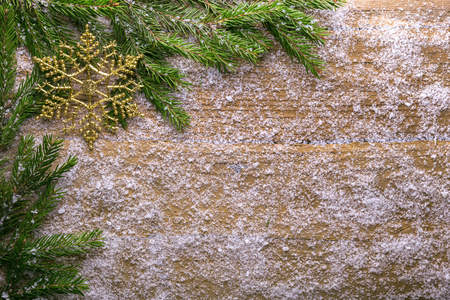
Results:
<point x="27" y="196"/>
<point x="219" y="34"/>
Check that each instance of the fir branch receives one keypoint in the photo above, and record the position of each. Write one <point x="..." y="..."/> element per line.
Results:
<point x="160" y="95"/>
<point x="24" y="4"/>
<point x="37" y="211"/>
<point x="297" y="46"/>
<point x="245" y="13"/>
<point x="23" y="106"/>
<point x="27" y="197"/>
<point x="32" y="170"/>
<point x="39" y="39"/>
<point x="314" y="4"/>
<point x="45" y="285"/>
<point x="157" y="77"/>
<point x="8" y="45"/>
<point x="50" y="267"/>
<point x="216" y="34"/>
<point x="58" y="245"/>
<point x="82" y="12"/>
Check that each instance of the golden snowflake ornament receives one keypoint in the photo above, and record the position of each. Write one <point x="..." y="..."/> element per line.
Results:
<point x="96" y="94"/>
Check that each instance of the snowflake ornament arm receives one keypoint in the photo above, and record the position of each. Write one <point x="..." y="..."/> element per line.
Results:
<point x="90" y="98"/>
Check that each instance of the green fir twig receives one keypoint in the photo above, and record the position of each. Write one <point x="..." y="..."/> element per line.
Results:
<point x="217" y="34"/>
<point x="27" y="196"/>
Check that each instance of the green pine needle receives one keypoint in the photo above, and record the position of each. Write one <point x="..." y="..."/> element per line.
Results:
<point x="26" y="198"/>
<point x="217" y="34"/>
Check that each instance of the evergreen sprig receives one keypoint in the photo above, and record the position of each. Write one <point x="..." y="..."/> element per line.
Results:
<point x="215" y="33"/>
<point x="16" y="107"/>
<point x="26" y="198"/>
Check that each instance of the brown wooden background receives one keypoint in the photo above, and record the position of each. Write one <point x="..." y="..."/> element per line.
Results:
<point x="285" y="186"/>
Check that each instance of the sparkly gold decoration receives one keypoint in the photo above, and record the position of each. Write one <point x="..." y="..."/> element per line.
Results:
<point x="85" y="99"/>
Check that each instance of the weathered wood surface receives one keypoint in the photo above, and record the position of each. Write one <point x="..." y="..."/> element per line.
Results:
<point x="211" y="220"/>
<point x="285" y="187"/>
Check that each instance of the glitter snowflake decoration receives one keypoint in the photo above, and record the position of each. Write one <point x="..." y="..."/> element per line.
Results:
<point x="96" y="94"/>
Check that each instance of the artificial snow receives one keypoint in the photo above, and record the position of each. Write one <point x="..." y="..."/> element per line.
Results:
<point x="285" y="186"/>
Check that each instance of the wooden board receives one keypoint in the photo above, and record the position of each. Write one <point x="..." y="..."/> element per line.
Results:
<point x="196" y="220"/>
<point x="285" y="186"/>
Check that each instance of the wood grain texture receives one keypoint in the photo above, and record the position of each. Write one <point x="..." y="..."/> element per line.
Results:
<point x="285" y="186"/>
<point x="293" y="186"/>
<point x="198" y="220"/>
<point x="413" y="5"/>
